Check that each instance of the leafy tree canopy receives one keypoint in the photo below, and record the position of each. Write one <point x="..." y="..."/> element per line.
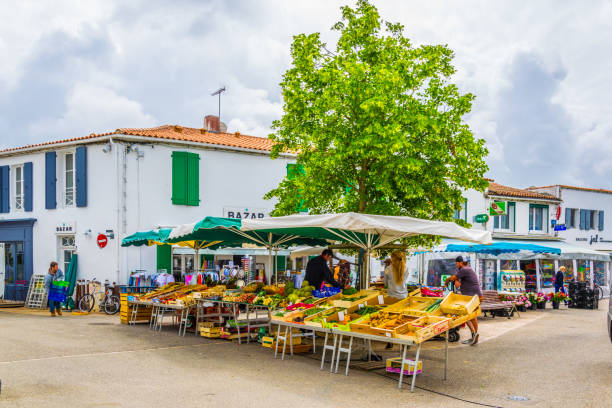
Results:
<point x="377" y="125"/>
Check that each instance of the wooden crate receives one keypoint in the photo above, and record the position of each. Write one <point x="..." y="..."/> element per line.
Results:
<point x="455" y="304"/>
<point x="364" y="326"/>
<point x="413" y="303"/>
<point x="426" y="327"/>
<point x="297" y="349"/>
<point x="369" y="294"/>
<point x="381" y="300"/>
<point x="333" y="316"/>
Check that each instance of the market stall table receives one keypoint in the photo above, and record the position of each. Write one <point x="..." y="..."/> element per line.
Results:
<point x="157" y="315"/>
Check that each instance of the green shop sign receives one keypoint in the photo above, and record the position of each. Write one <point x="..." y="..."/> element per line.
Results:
<point x="481" y="218"/>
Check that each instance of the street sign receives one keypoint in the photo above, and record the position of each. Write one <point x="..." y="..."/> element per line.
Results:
<point x="102" y="240"/>
<point x="497" y="208"/>
<point x="560" y="227"/>
<point x="481" y="218"/>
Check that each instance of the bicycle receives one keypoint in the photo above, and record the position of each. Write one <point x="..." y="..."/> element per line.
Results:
<point x="110" y="303"/>
<point x="599" y="294"/>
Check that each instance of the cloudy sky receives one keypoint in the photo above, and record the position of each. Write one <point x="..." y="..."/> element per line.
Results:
<point x="540" y="71"/>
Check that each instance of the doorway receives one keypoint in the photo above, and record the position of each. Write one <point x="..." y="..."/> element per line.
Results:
<point x="181" y="265"/>
<point x="15" y="282"/>
<point x="67" y="249"/>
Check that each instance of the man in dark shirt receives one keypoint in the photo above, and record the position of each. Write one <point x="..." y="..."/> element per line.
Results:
<point x="467" y="281"/>
<point x="318" y="272"/>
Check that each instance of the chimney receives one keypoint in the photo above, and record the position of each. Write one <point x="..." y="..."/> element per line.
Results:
<point x="211" y="123"/>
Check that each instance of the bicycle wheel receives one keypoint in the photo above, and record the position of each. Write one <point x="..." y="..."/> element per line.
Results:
<point x="112" y="305"/>
<point x="599" y="292"/>
<point x="87" y="303"/>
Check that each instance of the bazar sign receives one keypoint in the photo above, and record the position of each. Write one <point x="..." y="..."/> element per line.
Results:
<point x="244" y="213"/>
<point x="65" y="228"/>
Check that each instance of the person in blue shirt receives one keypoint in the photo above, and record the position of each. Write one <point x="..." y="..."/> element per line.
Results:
<point x="54" y="274"/>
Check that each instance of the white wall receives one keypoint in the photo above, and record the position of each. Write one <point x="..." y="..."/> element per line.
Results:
<point x="227" y="178"/>
<point x="588" y="200"/>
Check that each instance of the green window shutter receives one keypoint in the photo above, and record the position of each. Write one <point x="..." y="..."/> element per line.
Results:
<point x="193" y="179"/>
<point x="164" y="257"/>
<point x="179" y="178"/>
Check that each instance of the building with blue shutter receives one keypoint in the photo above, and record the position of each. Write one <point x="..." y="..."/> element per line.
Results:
<point x="58" y="197"/>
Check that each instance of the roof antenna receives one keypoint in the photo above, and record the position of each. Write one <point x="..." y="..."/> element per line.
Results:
<point x="218" y="92"/>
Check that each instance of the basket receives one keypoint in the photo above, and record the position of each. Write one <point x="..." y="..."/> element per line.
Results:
<point x="58" y="291"/>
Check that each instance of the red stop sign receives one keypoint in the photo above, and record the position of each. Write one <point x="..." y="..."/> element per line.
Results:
<point x="102" y="240"/>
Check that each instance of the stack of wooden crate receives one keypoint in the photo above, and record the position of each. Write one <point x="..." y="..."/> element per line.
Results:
<point x="144" y="313"/>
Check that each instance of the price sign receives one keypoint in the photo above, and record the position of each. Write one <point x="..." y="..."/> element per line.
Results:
<point x="381" y="299"/>
<point x="340" y="316"/>
<point x="388" y="334"/>
<point x="360" y="305"/>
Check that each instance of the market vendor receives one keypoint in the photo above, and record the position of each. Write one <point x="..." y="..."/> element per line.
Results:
<point x="318" y="272"/>
<point x="467" y="281"/>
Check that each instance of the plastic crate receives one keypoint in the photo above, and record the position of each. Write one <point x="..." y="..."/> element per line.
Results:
<point x="327" y="292"/>
<point x="58" y="293"/>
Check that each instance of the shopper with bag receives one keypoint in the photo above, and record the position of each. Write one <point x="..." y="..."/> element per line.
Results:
<point x="54" y="274"/>
<point x="467" y="281"/>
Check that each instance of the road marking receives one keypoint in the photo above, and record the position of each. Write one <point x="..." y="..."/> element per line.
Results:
<point x="110" y="352"/>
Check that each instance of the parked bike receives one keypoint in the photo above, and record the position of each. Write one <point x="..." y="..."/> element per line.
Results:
<point x="110" y="303"/>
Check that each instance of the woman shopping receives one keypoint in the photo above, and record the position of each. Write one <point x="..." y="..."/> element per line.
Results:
<point x="396" y="278"/>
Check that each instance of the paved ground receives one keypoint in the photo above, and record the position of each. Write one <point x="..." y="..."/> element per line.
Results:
<point x="554" y="358"/>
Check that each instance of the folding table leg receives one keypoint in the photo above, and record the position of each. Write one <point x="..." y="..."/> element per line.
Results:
<point x="402" y="366"/>
<point x="331" y="367"/>
<point x="134" y="314"/>
<point x="340" y="349"/>
<point x="348" y="357"/>
<point x="314" y="342"/>
<point x="324" y="350"/>
<point x="278" y="336"/>
<point x="416" y="364"/>
<point x="285" y="342"/>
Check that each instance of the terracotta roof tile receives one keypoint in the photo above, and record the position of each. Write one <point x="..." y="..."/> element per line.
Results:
<point x="173" y="132"/>
<point x="505" y="191"/>
<point x="596" y="190"/>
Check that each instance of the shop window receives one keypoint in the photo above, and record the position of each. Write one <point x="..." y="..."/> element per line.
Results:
<point x="538" y="218"/>
<point x="185" y="178"/>
<point x="584" y="271"/>
<point x="461" y="214"/>
<point x="547" y="273"/>
<point x="18" y="200"/>
<point x="506" y="222"/>
<point x="599" y="273"/>
<point x="531" y="283"/>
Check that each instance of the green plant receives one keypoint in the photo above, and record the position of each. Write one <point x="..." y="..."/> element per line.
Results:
<point x="377" y="125"/>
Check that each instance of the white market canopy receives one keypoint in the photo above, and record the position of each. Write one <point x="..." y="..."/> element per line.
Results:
<point x="365" y="231"/>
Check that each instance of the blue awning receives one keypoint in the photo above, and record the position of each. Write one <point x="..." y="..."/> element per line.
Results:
<point x="497" y="248"/>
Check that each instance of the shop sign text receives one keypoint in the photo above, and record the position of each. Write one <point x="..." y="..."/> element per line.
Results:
<point x="244" y="213"/>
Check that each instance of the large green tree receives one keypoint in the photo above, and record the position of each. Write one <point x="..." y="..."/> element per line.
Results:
<point x="377" y="125"/>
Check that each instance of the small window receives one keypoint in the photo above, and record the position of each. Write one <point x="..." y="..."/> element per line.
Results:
<point x="69" y="179"/>
<point x="505" y="222"/>
<point x="538" y="218"/>
<point x="573" y="218"/>
<point x="461" y="214"/>
<point x="593" y="219"/>
<point x="19" y="196"/>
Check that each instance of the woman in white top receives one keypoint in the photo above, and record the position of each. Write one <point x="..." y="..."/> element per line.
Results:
<point x="396" y="277"/>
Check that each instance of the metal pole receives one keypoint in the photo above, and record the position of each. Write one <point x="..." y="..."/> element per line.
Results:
<point x="366" y="270"/>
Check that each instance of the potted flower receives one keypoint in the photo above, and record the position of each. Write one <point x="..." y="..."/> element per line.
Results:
<point x="533" y="300"/>
<point x="541" y="300"/>
<point x="557" y="298"/>
<point x="522" y="303"/>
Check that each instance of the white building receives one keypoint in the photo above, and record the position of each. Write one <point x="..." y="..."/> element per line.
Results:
<point x="531" y="215"/>
<point x="583" y="221"/>
<point x="76" y="194"/>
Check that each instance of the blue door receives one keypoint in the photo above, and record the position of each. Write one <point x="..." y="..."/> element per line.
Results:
<point x="16" y="235"/>
<point x="15" y="281"/>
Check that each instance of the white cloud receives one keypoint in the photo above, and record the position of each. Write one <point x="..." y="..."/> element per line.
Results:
<point x="92" y="109"/>
<point x="80" y="67"/>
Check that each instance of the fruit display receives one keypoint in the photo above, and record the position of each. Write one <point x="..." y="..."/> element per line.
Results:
<point x="366" y="310"/>
<point x="349" y="291"/>
<point x="385" y="320"/>
<point x="253" y="287"/>
<point x="240" y="298"/>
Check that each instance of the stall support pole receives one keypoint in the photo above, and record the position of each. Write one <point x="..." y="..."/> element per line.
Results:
<point x="416" y="364"/>
<point x="592" y="272"/>
<point x="366" y="270"/>
<point x="538" y="279"/>
<point x="445" y="354"/>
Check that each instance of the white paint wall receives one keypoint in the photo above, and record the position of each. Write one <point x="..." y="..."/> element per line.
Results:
<point x="227" y="178"/>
